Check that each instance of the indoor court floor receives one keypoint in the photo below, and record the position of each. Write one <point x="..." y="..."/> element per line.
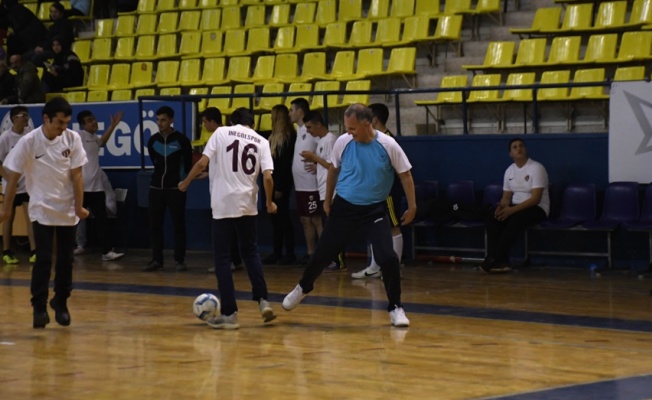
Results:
<point x="535" y="334"/>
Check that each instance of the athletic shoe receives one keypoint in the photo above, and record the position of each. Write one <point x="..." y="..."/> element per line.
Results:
<point x="112" y="255"/>
<point x="487" y="265"/>
<point x="292" y="300"/>
<point x="9" y="258"/>
<point x="397" y="318"/>
<point x="335" y="266"/>
<point x="180" y="266"/>
<point x="61" y="314"/>
<point x="153" y="266"/>
<point x="79" y="250"/>
<point x="369" y="272"/>
<point x="41" y="318"/>
<point x="224" y="321"/>
<point x="502" y="267"/>
<point x="266" y="310"/>
<point x="32" y="256"/>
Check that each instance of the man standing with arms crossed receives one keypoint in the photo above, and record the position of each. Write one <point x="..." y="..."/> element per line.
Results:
<point x="364" y="163"/>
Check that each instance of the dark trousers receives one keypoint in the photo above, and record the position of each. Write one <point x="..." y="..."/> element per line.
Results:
<point x="159" y="201"/>
<point x="282" y="226"/>
<point x="223" y="229"/>
<point x="501" y="235"/>
<point x="44" y="236"/>
<point x="95" y="202"/>
<point x="345" y="221"/>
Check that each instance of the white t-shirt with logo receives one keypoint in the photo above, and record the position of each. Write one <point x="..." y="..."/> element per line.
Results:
<point x="304" y="181"/>
<point x="46" y="165"/>
<point x="7" y="142"/>
<point x="237" y="154"/>
<point x="324" y="150"/>
<point x="521" y="181"/>
<point x="91" y="170"/>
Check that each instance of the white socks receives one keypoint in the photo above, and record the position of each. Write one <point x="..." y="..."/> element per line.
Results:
<point x="397" y="245"/>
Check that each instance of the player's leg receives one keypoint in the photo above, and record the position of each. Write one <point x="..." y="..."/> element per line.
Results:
<point x="63" y="273"/>
<point x="156" y="211"/>
<point x="44" y="236"/>
<point x="177" y="202"/>
<point x="8" y="255"/>
<point x="30" y="233"/>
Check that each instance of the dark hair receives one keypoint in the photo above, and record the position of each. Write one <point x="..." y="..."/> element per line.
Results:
<point x="17" y="110"/>
<point x="315" y="117"/>
<point x="212" y="114"/>
<point x="55" y="106"/>
<point x="81" y="116"/>
<point x="165" y="110"/>
<point x="59" y="7"/>
<point x="509" y="147"/>
<point x="301" y="104"/>
<point x="380" y="111"/>
<point x="361" y="112"/>
<point x="242" y="116"/>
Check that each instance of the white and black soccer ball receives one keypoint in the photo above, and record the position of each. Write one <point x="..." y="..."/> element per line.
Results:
<point x="205" y="306"/>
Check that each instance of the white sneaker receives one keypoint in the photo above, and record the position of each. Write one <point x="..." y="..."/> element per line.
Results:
<point x="79" y="250"/>
<point x="111" y="255"/>
<point x="266" y="310"/>
<point x="397" y="318"/>
<point x="372" y="271"/>
<point x="224" y="321"/>
<point x="292" y="300"/>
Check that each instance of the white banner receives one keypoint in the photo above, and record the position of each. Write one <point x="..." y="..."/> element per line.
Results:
<point x="630" y="132"/>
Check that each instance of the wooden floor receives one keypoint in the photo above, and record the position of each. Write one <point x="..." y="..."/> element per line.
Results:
<point x="540" y="333"/>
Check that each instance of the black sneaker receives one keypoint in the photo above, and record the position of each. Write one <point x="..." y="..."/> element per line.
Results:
<point x="486" y="265"/>
<point x="153" y="266"/>
<point x="41" y="318"/>
<point x="61" y="314"/>
<point x="502" y="267"/>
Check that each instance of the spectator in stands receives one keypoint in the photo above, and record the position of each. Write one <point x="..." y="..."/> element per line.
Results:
<point x="20" y="120"/>
<point x="322" y="157"/>
<point x="525" y="202"/>
<point x="61" y="29"/>
<point x="28" y="30"/>
<point x="94" y="194"/>
<point x="381" y="115"/>
<point x="64" y="71"/>
<point x="305" y="179"/>
<point x="8" y="93"/>
<point x="171" y="154"/>
<point x="28" y="83"/>
<point x="281" y="142"/>
<point x="79" y="8"/>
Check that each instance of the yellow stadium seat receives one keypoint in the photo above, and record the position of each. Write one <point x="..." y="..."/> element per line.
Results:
<point x="601" y="48"/>
<point x="190" y="44"/>
<point x="146" y="24"/>
<point x="352" y="86"/>
<point x="297" y="87"/>
<point x="360" y="34"/>
<point x="33" y="7"/>
<point x="630" y="74"/>
<point x="378" y="9"/>
<point x="554" y="94"/>
<point x="98" y="76"/>
<point x="255" y="16"/>
<point x="201" y="104"/>
<point x="144" y="92"/>
<point x="76" y="96"/>
<point x="246" y="102"/>
<point x="286" y="68"/>
<point x="314" y="66"/>
<point x="402" y="9"/>
<point x="167" y="22"/>
<point x="499" y="55"/>
<point x="370" y="63"/>
<point x="166" y="5"/>
<point x="611" y="14"/>
<point x="189" y="20"/>
<point x="124" y="26"/>
<point x="231" y="18"/>
<point x="249" y="2"/>
<point x="119" y="79"/>
<point x="588" y="92"/>
<point x="167" y="74"/>
<point x="104" y="27"/>
<point x="146" y="48"/>
<point x="326" y="12"/>
<point x="545" y="19"/>
<point x="448" y="82"/>
<point x="96" y="96"/>
<point x="280" y="15"/>
<point x="239" y="69"/>
<point x="265" y="124"/>
<point x="234" y="42"/>
<point x="43" y="12"/>
<point x="350" y="10"/>
<point x="402" y="61"/>
<point x="225" y="3"/>
<point x="83" y="50"/>
<point x="479" y="81"/>
<point x="531" y="52"/>
<point x="577" y="17"/>
<point x="641" y="13"/>
<point x="449" y="29"/>
<point x="257" y="40"/>
<point x="307" y="37"/>
<point x="124" y="49"/>
<point x="457" y="7"/>
<point x="214" y="71"/>
<point x="142" y="74"/>
<point x="263" y="71"/>
<point x="304" y="13"/>
<point x="222" y="103"/>
<point x="284" y="41"/>
<point x="211" y="19"/>
<point x="415" y="29"/>
<point x="519" y="79"/>
<point x="430" y="8"/>
<point x="121" y="95"/>
<point x="102" y="50"/>
<point x="170" y="91"/>
<point x="209" y="3"/>
<point x="211" y="44"/>
<point x="267" y="102"/>
<point x="343" y="65"/>
<point x="335" y="35"/>
<point x="388" y="32"/>
<point x="190" y="72"/>
<point x="317" y="102"/>
<point x="635" y="46"/>
<point x="187" y="4"/>
<point x="565" y="50"/>
<point x="167" y="46"/>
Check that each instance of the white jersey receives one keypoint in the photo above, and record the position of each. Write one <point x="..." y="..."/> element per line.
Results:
<point x="91" y="170"/>
<point x="304" y="181"/>
<point x="521" y="181"/>
<point x="7" y="142"/>
<point x="238" y="154"/>
<point x="324" y="150"/>
<point x="46" y="165"/>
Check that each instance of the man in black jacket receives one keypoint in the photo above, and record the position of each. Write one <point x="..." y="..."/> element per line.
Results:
<point x="171" y="154"/>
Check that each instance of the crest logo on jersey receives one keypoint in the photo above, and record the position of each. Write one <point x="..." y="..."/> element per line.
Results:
<point x="527" y="178"/>
<point x="303" y="137"/>
<point x="66" y="153"/>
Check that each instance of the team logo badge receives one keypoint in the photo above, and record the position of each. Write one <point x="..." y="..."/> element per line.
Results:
<point x="66" y="153"/>
<point x="527" y="178"/>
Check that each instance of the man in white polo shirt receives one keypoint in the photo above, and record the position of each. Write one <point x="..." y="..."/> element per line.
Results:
<point x="51" y="158"/>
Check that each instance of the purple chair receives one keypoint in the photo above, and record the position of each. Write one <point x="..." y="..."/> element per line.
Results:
<point x="426" y="190"/>
<point x="578" y="206"/>
<point x="621" y="205"/>
<point x="644" y="223"/>
<point x="461" y="192"/>
<point x="492" y="195"/>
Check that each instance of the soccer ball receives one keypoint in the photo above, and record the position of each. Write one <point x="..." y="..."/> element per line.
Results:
<point x="205" y="306"/>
